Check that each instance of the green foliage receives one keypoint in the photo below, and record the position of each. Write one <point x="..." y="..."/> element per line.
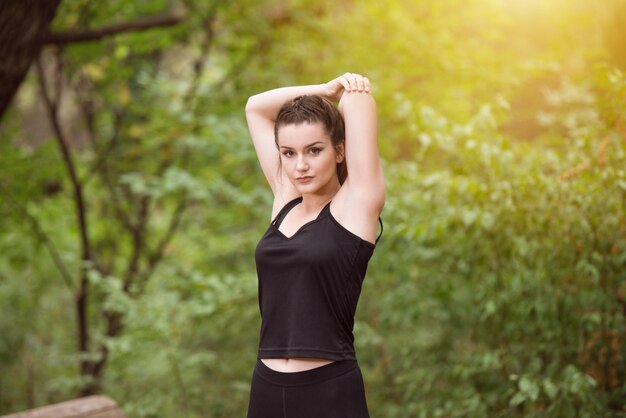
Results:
<point x="497" y="289"/>
<point x="503" y="280"/>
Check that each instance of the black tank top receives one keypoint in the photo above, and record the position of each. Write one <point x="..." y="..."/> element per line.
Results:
<point x="309" y="286"/>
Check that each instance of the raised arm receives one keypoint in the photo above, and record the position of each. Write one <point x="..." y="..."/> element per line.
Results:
<point x="365" y="185"/>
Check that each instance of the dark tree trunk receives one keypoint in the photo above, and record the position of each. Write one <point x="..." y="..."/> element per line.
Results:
<point x="23" y="26"/>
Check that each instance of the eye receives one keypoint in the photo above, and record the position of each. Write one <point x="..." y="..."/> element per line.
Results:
<point x="287" y="153"/>
<point x="315" y="150"/>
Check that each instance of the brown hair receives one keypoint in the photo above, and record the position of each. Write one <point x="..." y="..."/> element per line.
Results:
<point x="311" y="109"/>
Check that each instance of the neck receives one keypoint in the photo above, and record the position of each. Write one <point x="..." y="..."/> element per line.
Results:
<point x="311" y="202"/>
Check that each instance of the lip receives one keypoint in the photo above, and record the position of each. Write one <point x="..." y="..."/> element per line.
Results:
<point x="304" y="179"/>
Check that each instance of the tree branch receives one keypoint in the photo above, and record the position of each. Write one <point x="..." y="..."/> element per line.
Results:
<point x="82" y="293"/>
<point x="102" y="168"/>
<point x="156" y="256"/>
<point x="86" y="35"/>
<point x="207" y="42"/>
<point x="53" y="107"/>
<point x="138" y="238"/>
<point x="67" y="277"/>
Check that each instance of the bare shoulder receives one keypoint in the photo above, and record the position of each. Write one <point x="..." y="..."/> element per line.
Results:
<point x="358" y="210"/>
<point x="283" y="194"/>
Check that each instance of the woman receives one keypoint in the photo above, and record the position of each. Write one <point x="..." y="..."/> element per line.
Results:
<point x="323" y="167"/>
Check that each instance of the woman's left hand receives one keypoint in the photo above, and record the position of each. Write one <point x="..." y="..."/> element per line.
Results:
<point x="348" y="82"/>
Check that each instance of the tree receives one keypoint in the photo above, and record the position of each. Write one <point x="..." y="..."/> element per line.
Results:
<point x="25" y="24"/>
<point x="132" y="211"/>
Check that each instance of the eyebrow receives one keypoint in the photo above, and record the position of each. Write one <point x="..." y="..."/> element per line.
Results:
<point x="310" y="145"/>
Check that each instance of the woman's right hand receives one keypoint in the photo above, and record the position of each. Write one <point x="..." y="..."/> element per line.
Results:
<point x="348" y="82"/>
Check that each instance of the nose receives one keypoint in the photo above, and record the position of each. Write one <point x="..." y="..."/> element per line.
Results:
<point x="301" y="165"/>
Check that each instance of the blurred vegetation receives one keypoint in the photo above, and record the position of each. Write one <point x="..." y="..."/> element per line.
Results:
<point x="497" y="290"/>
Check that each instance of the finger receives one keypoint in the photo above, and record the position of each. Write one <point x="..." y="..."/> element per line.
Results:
<point x="346" y="81"/>
<point x="354" y="83"/>
<point x="360" y="83"/>
<point x="366" y="84"/>
<point x="341" y="80"/>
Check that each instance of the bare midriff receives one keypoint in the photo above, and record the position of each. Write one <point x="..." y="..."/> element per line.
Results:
<point x="289" y="365"/>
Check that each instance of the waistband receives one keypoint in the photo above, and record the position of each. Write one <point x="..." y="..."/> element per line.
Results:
<point x="306" y="377"/>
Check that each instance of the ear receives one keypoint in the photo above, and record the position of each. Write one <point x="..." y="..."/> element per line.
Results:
<point x="339" y="153"/>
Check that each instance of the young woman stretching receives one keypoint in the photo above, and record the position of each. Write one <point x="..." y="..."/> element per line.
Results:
<point x="323" y="167"/>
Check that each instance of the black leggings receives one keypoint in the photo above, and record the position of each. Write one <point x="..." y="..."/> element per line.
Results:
<point x="334" y="390"/>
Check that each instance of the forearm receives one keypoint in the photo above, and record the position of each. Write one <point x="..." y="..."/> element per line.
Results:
<point x="268" y="103"/>
<point x="361" y="104"/>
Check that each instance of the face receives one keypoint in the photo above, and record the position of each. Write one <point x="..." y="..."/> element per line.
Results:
<point x="308" y="156"/>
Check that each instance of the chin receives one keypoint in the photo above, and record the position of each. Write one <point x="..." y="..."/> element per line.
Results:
<point x="306" y="188"/>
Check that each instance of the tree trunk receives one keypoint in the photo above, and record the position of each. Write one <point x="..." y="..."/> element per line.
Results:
<point x="23" y="25"/>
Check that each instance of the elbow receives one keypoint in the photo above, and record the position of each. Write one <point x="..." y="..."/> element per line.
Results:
<point x="253" y="104"/>
<point x="250" y="104"/>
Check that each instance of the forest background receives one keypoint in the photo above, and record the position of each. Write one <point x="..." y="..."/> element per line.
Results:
<point x="131" y="202"/>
